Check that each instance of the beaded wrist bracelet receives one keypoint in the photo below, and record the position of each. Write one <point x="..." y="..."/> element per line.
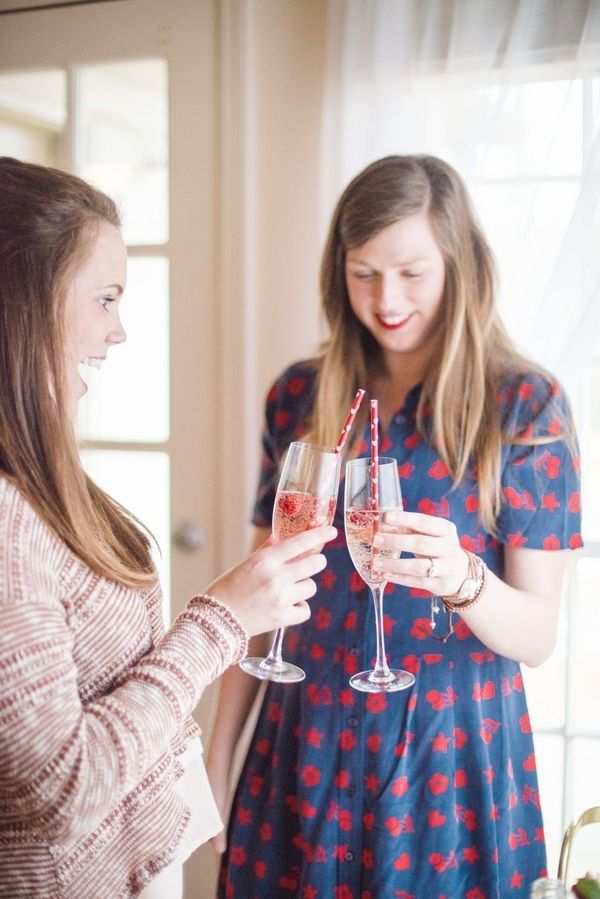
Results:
<point x="472" y="588"/>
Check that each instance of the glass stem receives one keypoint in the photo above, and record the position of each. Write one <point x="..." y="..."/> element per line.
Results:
<point x="274" y="661"/>
<point x="381" y="672"/>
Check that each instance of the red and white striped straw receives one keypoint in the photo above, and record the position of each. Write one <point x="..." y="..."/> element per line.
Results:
<point x="374" y="472"/>
<point x="374" y="465"/>
<point x="349" y="420"/>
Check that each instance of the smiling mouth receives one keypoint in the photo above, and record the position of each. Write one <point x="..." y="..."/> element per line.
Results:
<point x="393" y="322"/>
<point x="92" y="361"/>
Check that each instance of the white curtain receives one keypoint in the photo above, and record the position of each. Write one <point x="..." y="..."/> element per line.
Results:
<point x="507" y="91"/>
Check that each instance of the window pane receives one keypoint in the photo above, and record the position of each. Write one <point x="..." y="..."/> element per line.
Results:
<point x="140" y="482"/>
<point x="590" y="453"/>
<point x="585" y="672"/>
<point x="128" y="399"/>
<point x="122" y="142"/>
<point x="545" y="685"/>
<point x="33" y="112"/>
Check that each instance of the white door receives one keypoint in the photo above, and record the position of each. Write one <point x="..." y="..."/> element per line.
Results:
<point x="123" y="93"/>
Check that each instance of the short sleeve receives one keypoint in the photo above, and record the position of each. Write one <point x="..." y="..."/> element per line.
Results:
<point x="540" y="480"/>
<point x="288" y="410"/>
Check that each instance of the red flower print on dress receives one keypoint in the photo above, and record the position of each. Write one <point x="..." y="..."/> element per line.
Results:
<point x="472" y="502"/>
<point x="317" y="652"/>
<point x="238" y="855"/>
<point x="274" y="712"/>
<point x="485" y="691"/>
<point x="516" y="881"/>
<point x="342" y="779"/>
<point x="574" y="504"/>
<point x="481" y="657"/>
<point x="551" y="543"/>
<point x="350" y="621"/>
<point x="314" y="737"/>
<point x="266" y="832"/>
<point x="438" y="470"/>
<point x="467" y="816"/>
<point x="402" y="863"/>
<point x="405" y="470"/>
<point x="438" y="783"/>
<point x="376" y="702"/>
<point x="310" y="775"/>
<point x="397" y="826"/>
<point x="519" y="838"/>
<point x="440" y="743"/>
<point x="372" y="783"/>
<point x="260" y="869"/>
<point x="517" y="539"/>
<point x="432" y="658"/>
<point x="402" y="748"/>
<point x="347" y="740"/>
<point x="244" y="816"/>
<point x="460" y="778"/>
<point x="288" y="883"/>
<point x="339" y="852"/>
<point x="488" y="729"/>
<point x="367" y="860"/>
<point x="400" y="786"/>
<point x="322" y="619"/>
<point x="373" y="742"/>
<point x="342" y="892"/>
<point x="575" y="541"/>
<point x="550" y="502"/>
<point x="356" y="582"/>
<point x="328" y="579"/>
<point x="441" y="700"/>
<point x="525" y="724"/>
<point x="369" y="821"/>
<point x="529" y="763"/>
<point x="282" y="419"/>
<point x="345" y="819"/>
<point x="475" y="893"/>
<point x="256" y="784"/>
<point x="296" y="386"/>
<point x="442" y="862"/>
<point x="460" y="738"/>
<point x="436" y="819"/>
<point x="346" y="697"/>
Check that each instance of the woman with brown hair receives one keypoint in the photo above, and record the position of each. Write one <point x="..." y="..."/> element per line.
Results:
<point x="431" y="791"/>
<point x="103" y="791"/>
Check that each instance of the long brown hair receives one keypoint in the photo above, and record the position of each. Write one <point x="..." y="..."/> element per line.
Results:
<point x="476" y="353"/>
<point x="48" y="222"/>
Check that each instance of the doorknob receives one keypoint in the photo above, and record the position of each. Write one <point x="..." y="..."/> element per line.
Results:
<point x="188" y="536"/>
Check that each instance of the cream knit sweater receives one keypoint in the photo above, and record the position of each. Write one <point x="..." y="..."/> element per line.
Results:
<point x="95" y="705"/>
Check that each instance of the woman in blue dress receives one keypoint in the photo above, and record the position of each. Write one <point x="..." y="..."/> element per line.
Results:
<point x="430" y="792"/>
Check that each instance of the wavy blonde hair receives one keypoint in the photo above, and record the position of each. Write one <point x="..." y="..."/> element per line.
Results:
<point x="476" y="354"/>
<point x="48" y="223"/>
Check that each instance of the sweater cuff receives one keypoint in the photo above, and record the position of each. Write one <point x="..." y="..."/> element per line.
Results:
<point x="218" y="618"/>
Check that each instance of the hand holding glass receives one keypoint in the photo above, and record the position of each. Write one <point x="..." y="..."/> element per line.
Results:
<point x="361" y="526"/>
<point x="306" y="498"/>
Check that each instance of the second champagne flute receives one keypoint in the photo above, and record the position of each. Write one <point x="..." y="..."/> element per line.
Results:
<point x="306" y="498"/>
<point x="361" y="522"/>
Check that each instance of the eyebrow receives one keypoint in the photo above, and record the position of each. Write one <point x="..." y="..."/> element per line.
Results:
<point x="402" y="264"/>
<point x="118" y="287"/>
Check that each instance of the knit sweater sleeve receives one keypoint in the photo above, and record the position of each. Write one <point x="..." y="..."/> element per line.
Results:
<point x="65" y="764"/>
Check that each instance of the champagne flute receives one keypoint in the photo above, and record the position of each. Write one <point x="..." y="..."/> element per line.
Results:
<point x="361" y="524"/>
<point x="306" y="498"/>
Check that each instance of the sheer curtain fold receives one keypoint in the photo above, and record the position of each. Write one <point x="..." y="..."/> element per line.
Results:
<point x="508" y="91"/>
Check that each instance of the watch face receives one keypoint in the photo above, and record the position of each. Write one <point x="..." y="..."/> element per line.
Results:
<point x="469" y="588"/>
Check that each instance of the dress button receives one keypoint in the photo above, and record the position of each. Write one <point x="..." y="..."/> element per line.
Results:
<point x="349" y="856"/>
<point x="352" y="721"/>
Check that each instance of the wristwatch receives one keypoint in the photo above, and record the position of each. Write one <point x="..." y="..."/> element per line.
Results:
<point x="472" y="588"/>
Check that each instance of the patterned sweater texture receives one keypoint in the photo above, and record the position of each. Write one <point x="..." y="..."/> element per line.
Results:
<point x="95" y="711"/>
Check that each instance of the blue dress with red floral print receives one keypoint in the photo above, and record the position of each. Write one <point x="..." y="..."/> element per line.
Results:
<point x="430" y="792"/>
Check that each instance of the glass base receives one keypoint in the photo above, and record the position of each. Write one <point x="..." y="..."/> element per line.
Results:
<point x="367" y="682"/>
<point x="267" y="669"/>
